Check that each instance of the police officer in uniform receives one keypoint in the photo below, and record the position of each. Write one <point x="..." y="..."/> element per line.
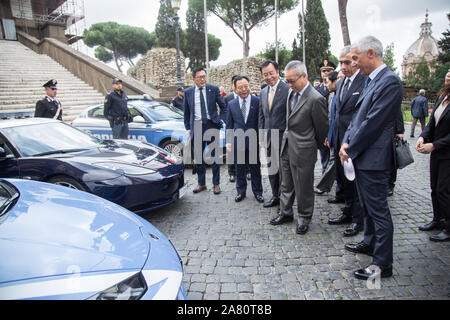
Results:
<point x="49" y="107"/>
<point x="116" y="110"/>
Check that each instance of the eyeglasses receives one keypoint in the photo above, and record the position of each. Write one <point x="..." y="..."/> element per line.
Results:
<point x="200" y="77"/>
<point x="293" y="81"/>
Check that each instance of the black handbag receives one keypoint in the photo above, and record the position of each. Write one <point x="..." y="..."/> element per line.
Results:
<point x="403" y="156"/>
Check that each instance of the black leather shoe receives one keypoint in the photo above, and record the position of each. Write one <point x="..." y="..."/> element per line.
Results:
<point x="239" y="197"/>
<point x="336" y="200"/>
<point x="433" y="225"/>
<point x="280" y="219"/>
<point x="272" y="203"/>
<point x="342" y="219"/>
<point x="232" y="178"/>
<point x="259" y="198"/>
<point x="373" y="271"/>
<point x="302" y="229"/>
<point x="352" y="230"/>
<point x="359" y="247"/>
<point x="441" y="237"/>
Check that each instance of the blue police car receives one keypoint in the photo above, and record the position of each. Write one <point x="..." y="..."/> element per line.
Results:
<point x="60" y="243"/>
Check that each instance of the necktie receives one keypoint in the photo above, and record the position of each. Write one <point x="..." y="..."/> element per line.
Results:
<point x="243" y="109"/>
<point x="271" y="94"/>
<point x="294" y="100"/>
<point x="367" y="83"/>
<point x="203" y="106"/>
<point x="345" y="89"/>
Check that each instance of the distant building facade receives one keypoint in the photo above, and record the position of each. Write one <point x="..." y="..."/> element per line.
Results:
<point x="425" y="48"/>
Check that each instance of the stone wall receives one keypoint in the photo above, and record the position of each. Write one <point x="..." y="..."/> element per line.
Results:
<point x="158" y="69"/>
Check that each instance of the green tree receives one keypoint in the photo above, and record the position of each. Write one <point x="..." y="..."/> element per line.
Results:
<point x="444" y="44"/>
<point x="388" y="57"/>
<point x="317" y="38"/>
<point x="164" y="28"/>
<point x="284" y="55"/>
<point x="194" y="46"/>
<point x="256" y="13"/>
<point x="117" y="42"/>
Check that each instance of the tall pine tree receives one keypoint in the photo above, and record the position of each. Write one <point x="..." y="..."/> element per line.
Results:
<point x="164" y="32"/>
<point x="317" y="38"/>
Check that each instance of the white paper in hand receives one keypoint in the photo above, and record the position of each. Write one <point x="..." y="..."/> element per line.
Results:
<point x="349" y="170"/>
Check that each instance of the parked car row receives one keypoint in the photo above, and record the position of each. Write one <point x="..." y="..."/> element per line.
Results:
<point x="60" y="243"/>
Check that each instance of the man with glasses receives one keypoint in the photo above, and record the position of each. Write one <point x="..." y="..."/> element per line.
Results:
<point x="306" y="129"/>
<point x="49" y="107"/>
<point x="200" y="116"/>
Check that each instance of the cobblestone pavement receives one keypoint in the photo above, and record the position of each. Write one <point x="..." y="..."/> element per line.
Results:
<point x="230" y="251"/>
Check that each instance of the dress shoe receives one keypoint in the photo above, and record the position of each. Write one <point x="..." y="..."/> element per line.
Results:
<point x="302" y="229"/>
<point x="216" y="189"/>
<point x="433" y="225"/>
<point x="320" y="192"/>
<point x="411" y="136"/>
<point x="336" y="200"/>
<point x="259" y="198"/>
<point x="359" y="247"/>
<point x="342" y="219"/>
<point x="194" y="169"/>
<point x="232" y="178"/>
<point x="199" y="189"/>
<point x="441" y="237"/>
<point x="280" y="219"/>
<point x="239" y="197"/>
<point x="352" y="230"/>
<point x="373" y="271"/>
<point x="272" y="203"/>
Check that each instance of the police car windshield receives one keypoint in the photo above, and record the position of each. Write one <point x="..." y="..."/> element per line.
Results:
<point x="159" y="111"/>
<point x="48" y="138"/>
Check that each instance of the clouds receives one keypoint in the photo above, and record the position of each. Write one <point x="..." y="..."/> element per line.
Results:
<point x="391" y="21"/>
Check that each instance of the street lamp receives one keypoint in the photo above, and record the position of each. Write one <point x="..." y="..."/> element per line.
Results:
<point x="176" y="6"/>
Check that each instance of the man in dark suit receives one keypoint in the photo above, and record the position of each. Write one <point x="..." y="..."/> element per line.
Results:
<point x="368" y="143"/>
<point x="242" y="118"/>
<point x="348" y="91"/>
<point x="49" y="107"/>
<point x="272" y="119"/>
<point x="200" y="115"/>
<point x="419" y="111"/>
<point x="306" y="129"/>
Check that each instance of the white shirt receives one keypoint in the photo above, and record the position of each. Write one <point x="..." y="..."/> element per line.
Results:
<point x="198" y="106"/>
<point x="247" y="106"/>
<point x="375" y="72"/>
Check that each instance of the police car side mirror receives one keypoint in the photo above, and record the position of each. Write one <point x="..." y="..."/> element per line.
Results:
<point x="4" y="155"/>
<point x="139" y="119"/>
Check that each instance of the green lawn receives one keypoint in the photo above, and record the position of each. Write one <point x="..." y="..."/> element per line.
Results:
<point x="407" y="113"/>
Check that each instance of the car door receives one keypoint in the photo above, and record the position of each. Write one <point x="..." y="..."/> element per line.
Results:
<point x="9" y="164"/>
<point x="141" y="128"/>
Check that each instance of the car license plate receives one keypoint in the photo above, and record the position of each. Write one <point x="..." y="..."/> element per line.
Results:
<point x="182" y="191"/>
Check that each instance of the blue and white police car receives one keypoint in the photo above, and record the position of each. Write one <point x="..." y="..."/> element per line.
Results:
<point x="60" y="243"/>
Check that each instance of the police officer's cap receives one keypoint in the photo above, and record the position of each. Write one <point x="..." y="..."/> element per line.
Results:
<point x="116" y="80"/>
<point x="327" y="65"/>
<point x="50" y="84"/>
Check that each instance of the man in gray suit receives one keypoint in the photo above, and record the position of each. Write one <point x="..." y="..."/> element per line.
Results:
<point x="272" y="119"/>
<point x="306" y="129"/>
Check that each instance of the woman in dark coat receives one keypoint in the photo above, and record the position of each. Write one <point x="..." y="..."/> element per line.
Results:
<point x="435" y="139"/>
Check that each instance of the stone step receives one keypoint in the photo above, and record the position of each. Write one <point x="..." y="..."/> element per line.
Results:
<point x="63" y="100"/>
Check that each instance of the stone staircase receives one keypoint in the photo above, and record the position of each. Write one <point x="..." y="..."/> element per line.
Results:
<point x="22" y="74"/>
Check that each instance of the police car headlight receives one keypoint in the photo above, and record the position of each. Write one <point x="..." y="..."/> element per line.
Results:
<point x="124" y="168"/>
<point x="132" y="288"/>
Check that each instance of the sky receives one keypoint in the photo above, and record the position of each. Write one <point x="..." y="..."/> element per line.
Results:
<point x="390" y="21"/>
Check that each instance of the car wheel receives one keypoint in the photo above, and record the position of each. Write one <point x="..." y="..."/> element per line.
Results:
<point x="174" y="147"/>
<point x="67" y="182"/>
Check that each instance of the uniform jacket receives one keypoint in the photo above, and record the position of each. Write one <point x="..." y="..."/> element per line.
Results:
<point x="47" y="108"/>
<point x="213" y="99"/>
<point x="439" y="134"/>
<point x="370" y="134"/>
<point x="116" y="106"/>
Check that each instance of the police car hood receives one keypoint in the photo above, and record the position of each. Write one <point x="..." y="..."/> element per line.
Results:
<point x="54" y="230"/>
<point x="122" y="151"/>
